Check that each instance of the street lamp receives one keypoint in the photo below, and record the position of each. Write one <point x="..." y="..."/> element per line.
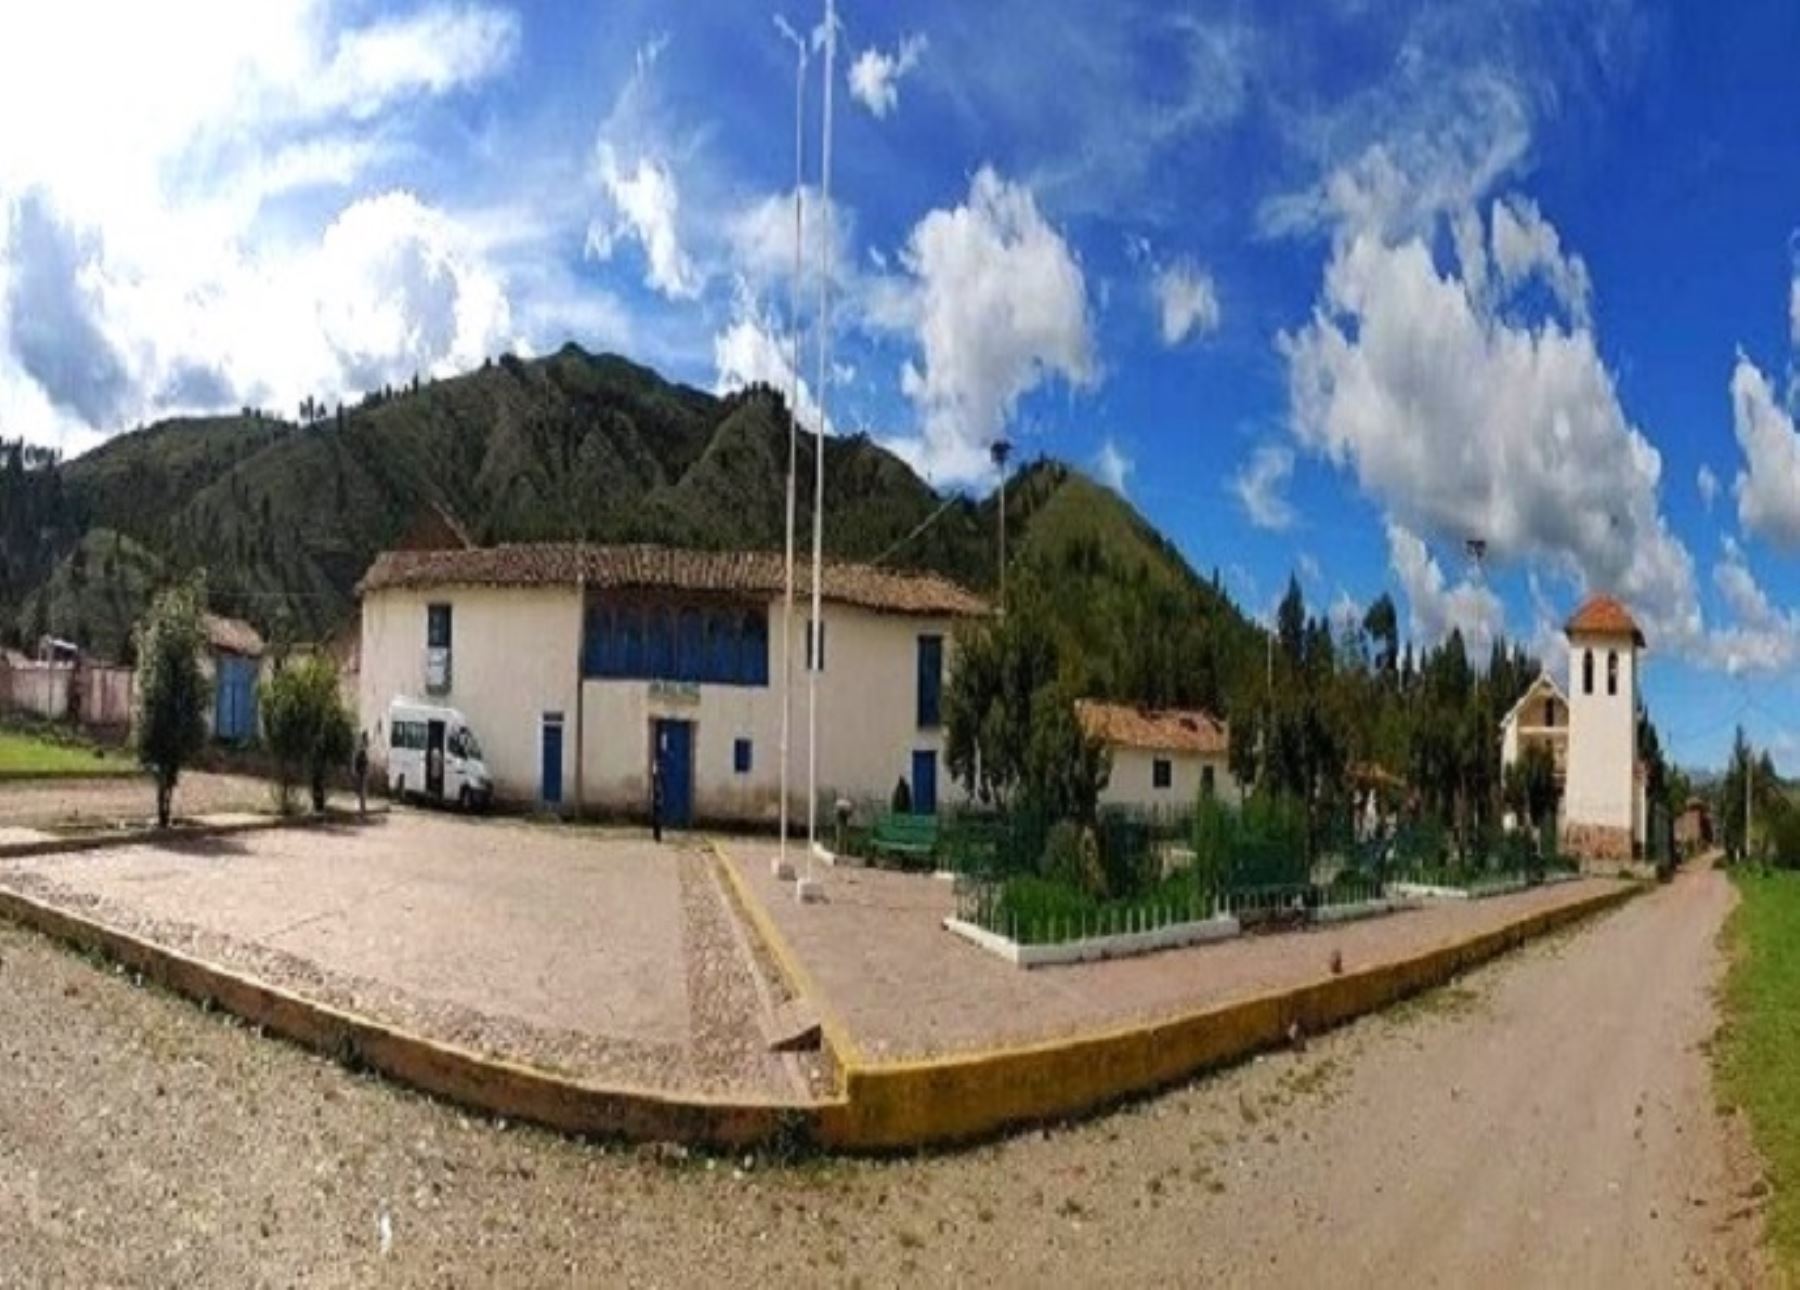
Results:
<point x="1000" y="450"/>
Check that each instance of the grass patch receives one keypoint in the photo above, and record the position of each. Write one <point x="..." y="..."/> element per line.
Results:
<point x="1758" y="1049"/>
<point x="47" y="754"/>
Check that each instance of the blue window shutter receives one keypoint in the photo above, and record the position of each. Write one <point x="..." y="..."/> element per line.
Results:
<point x="740" y="756"/>
<point x="690" y="645"/>
<point x="659" y="636"/>
<point x="931" y="682"/>
<point x="755" y="649"/>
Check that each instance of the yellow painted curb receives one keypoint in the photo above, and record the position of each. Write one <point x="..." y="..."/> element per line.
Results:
<point x="457" y="1074"/>
<point x="968" y="1096"/>
<point x="799" y="979"/>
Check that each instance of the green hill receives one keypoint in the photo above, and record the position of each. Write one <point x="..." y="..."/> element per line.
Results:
<point x="283" y="518"/>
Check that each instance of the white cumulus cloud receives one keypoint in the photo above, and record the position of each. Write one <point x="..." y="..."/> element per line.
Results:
<point x="645" y="202"/>
<point x="1187" y="302"/>
<point x="1113" y="467"/>
<point x="754" y="350"/>
<point x="875" y="76"/>
<point x="1001" y="309"/>
<point x="1768" y="488"/>
<point x="1262" y="486"/>
<point x="1436" y="607"/>
<point x="1463" y="422"/>
<point x="1708" y="484"/>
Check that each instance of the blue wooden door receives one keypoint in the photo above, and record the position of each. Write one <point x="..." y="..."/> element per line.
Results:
<point x="551" y="789"/>
<point x="675" y="748"/>
<point x="924" y="783"/>
<point x="234" y="706"/>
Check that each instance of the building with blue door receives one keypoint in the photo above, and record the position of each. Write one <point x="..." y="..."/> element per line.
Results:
<point x="233" y="664"/>
<point x="662" y="653"/>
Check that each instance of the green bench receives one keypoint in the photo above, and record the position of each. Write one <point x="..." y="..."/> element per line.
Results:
<point x="905" y="835"/>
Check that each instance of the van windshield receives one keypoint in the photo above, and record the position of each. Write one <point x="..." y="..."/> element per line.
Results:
<point x="471" y="747"/>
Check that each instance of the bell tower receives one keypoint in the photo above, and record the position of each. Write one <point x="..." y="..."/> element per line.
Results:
<point x="1600" y="810"/>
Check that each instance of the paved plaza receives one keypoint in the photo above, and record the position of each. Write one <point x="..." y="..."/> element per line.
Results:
<point x="595" y="953"/>
<point x="901" y="986"/>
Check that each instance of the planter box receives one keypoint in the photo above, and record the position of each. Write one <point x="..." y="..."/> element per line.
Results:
<point x="1365" y="909"/>
<point x="1091" y="949"/>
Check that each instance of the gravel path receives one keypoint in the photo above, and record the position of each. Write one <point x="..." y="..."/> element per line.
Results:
<point x="1487" y="1134"/>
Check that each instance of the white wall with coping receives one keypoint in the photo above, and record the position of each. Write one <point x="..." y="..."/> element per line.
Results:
<point x="1092" y="949"/>
<point x="1133" y="783"/>
<point x="515" y="655"/>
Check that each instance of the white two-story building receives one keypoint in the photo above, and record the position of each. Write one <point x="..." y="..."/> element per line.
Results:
<point x="577" y="664"/>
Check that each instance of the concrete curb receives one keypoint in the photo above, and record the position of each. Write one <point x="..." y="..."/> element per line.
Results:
<point x="837" y="1035"/>
<point x="1093" y="949"/>
<point x="79" y="842"/>
<point x="970" y="1096"/>
<point x="486" y="1084"/>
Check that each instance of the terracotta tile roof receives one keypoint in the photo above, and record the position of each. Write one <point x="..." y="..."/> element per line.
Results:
<point x="232" y="636"/>
<point x="1604" y="616"/>
<point x="551" y="564"/>
<point x="1166" y="730"/>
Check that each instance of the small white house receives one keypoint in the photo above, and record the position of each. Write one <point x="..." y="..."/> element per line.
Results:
<point x="1162" y="759"/>
<point x="580" y="666"/>
<point x="1591" y="730"/>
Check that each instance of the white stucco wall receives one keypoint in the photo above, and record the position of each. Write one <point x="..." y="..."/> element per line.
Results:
<point x="1133" y="780"/>
<point x="1602" y="754"/>
<point x="513" y="655"/>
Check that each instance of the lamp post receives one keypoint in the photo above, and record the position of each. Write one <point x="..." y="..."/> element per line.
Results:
<point x="1000" y="450"/>
<point x="808" y="887"/>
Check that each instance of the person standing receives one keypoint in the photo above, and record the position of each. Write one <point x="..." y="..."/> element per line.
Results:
<point x="360" y="765"/>
<point x="656" y="792"/>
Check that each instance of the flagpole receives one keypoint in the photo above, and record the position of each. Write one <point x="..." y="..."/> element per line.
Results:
<point x="784" y="868"/>
<point x="816" y="630"/>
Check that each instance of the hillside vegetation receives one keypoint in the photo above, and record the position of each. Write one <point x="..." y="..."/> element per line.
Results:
<point x="284" y="517"/>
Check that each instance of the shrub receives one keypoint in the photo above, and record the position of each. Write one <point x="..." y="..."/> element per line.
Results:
<point x="309" y="731"/>
<point x="172" y="692"/>
<point x="901" y="801"/>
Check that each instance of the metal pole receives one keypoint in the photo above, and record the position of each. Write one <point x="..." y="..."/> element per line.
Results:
<point x="783" y="867"/>
<point x="816" y="630"/>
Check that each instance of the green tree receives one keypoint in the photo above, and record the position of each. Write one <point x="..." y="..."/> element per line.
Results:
<point x="308" y="729"/>
<point x="1001" y="665"/>
<point x="172" y="691"/>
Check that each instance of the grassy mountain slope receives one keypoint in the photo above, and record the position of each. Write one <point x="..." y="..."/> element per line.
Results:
<point x="283" y="519"/>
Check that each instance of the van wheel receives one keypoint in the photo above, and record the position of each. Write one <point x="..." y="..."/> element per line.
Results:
<point x="466" y="800"/>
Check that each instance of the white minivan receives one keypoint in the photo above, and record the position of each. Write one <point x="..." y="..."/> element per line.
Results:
<point x="433" y="754"/>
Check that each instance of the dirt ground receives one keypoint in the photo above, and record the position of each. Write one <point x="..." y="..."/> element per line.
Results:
<point x="1546" y="1121"/>
<point x="38" y="803"/>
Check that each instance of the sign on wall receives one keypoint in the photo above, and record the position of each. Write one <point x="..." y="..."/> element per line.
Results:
<point x="687" y="692"/>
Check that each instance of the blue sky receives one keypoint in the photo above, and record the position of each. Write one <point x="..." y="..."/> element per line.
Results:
<point x="1323" y="288"/>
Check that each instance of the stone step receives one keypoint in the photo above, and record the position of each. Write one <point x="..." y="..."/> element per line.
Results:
<point x="794" y="1028"/>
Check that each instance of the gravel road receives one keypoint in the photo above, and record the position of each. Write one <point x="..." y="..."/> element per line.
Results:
<point x="1546" y="1121"/>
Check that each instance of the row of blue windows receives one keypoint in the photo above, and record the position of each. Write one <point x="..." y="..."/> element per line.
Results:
<point x="652" y="643"/>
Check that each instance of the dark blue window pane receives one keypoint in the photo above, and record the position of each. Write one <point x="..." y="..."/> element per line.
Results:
<point x="690" y="651"/>
<point x="755" y="650"/>
<point x="631" y="643"/>
<point x="931" y="681"/>
<point x="722" y="649"/>
<point x="596" y="644"/>
<point x="740" y="757"/>
<point x="659" y="645"/>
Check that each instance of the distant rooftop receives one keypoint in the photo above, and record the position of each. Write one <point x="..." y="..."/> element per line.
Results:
<point x="1153" y="729"/>
<point x="1604" y="616"/>
<point x="548" y="564"/>
<point x="232" y="636"/>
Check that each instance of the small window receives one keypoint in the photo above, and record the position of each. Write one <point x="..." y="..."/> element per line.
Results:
<point x="931" y="682"/>
<point x="1612" y="672"/>
<point x="815" y="630"/>
<point x="740" y="757"/>
<point x="1587" y="671"/>
<point x="1162" y="774"/>
<point x="1206" y="781"/>
<point x="437" y="626"/>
